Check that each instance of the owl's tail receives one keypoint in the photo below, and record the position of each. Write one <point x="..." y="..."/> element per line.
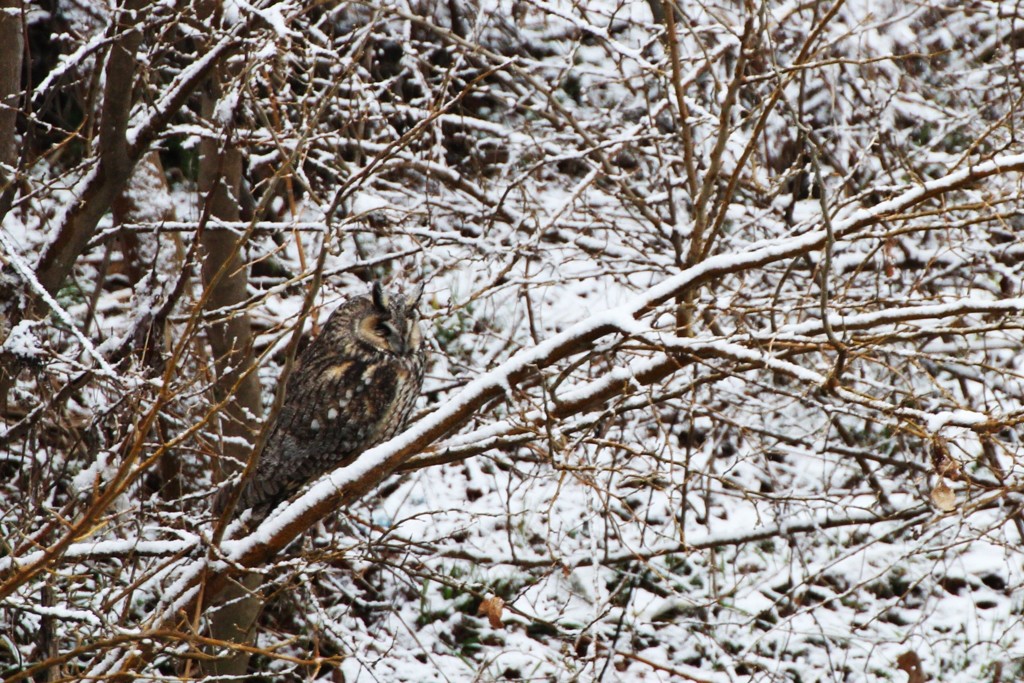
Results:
<point x="261" y="497"/>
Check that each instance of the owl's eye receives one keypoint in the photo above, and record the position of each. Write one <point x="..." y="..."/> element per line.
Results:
<point x="385" y="329"/>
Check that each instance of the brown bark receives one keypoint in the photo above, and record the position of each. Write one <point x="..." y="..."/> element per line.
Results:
<point x="230" y="337"/>
<point x="226" y="276"/>
<point x="12" y="48"/>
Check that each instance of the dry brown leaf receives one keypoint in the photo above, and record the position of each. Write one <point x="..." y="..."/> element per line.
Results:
<point x="910" y="663"/>
<point x="491" y="608"/>
<point x="943" y="497"/>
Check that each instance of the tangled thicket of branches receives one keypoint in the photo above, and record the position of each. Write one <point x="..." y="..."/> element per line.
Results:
<point x="724" y="303"/>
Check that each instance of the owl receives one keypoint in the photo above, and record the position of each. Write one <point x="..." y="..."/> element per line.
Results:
<point x="352" y="388"/>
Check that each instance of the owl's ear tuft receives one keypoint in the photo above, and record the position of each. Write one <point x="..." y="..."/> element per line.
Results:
<point x="413" y="299"/>
<point x="380" y="299"/>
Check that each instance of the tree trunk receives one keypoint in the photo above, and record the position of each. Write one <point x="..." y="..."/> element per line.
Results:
<point x="12" y="48"/>
<point x="220" y="180"/>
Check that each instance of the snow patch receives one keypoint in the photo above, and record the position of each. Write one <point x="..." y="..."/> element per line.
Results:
<point x="22" y="342"/>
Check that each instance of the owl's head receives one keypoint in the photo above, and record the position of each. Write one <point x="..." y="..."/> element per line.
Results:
<point x="389" y="324"/>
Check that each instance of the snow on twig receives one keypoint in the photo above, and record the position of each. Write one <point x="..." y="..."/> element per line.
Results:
<point x="28" y="276"/>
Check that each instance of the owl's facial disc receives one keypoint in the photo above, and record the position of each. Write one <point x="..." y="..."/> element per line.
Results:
<point x="391" y="325"/>
<point x="380" y="332"/>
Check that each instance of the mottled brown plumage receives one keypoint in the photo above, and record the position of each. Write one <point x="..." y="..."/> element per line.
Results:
<point x="352" y="388"/>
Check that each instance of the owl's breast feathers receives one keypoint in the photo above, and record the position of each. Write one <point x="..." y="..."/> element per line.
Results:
<point x="335" y="408"/>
